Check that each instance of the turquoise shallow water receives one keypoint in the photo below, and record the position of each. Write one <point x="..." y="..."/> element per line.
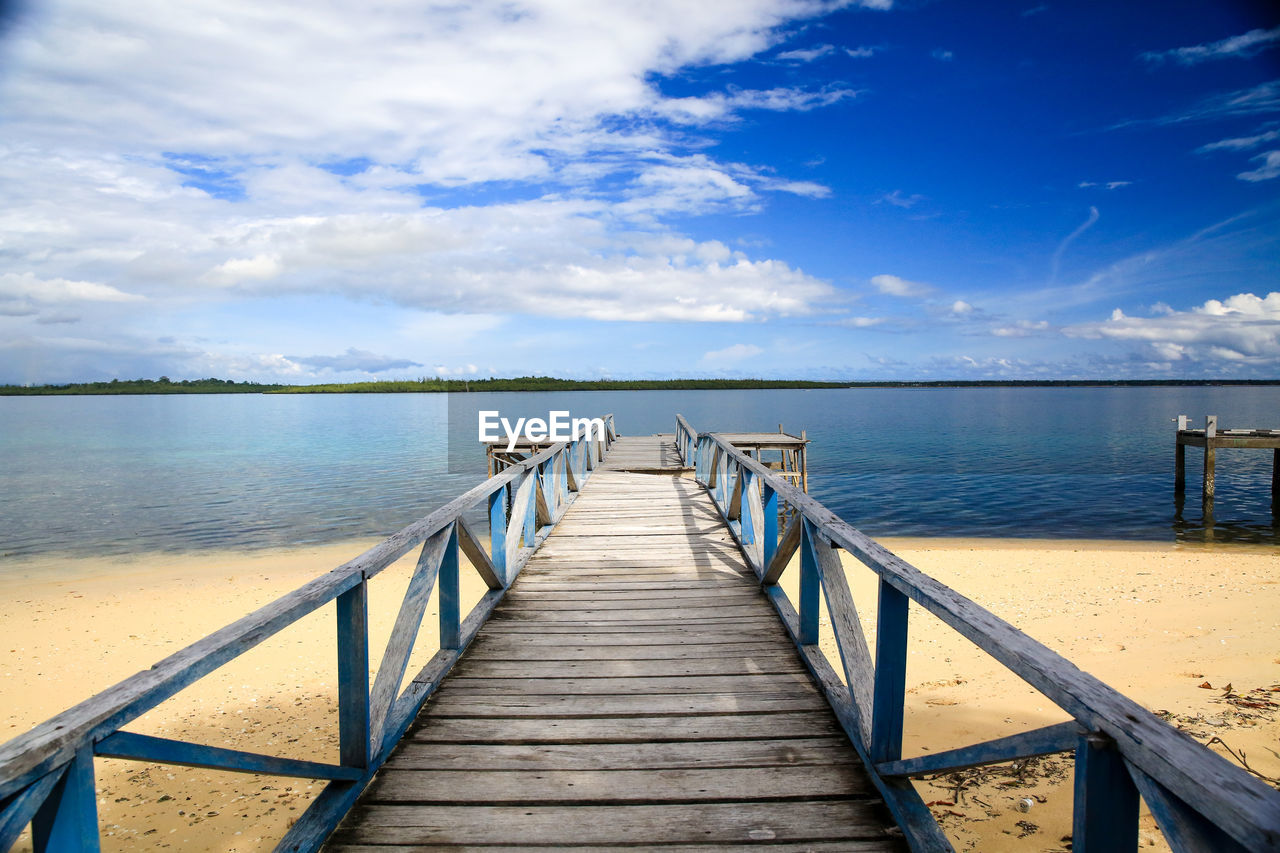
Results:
<point x="118" y="475"/>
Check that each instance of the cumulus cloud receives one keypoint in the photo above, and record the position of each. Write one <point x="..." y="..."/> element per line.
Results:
<point x="1235" y="47"/>
<point x="1243" y="328"/>
<point x="893" y="285"/>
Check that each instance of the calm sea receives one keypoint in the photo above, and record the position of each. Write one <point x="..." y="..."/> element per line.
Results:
<point x="118" y="475"/>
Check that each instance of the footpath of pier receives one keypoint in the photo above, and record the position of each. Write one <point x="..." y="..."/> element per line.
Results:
<point x="637" y="678"/>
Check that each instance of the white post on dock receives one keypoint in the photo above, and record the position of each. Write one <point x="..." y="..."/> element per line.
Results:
<point x="1210" y="432"/>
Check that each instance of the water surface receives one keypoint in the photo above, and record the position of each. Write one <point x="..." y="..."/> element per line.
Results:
<point x="120" y="475"/>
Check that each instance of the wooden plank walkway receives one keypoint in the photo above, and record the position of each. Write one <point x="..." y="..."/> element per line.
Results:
<point x="634" y="688"/>
<point x="644" y="453"/>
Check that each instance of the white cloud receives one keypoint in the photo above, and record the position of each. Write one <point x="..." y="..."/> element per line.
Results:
<point x="1111" y="185"/>
<point x="1021" y="329"/>
<point x="893" y="285"/>
<point x="731" y="354"/>
<point x="897" y="199"/>
<point x="1269" y="169"/>
<point x="960" y="308"/>
<point x="943" y="55"/>
<point x="1242" y="143"/>
<point x="808" y="54"/>
<point x="1241" y="46"/>
<point x="1242" y="328"/>
<point x="26" y="287"/>
<point x="859" y="322"/>
<point x="862" y="52"/>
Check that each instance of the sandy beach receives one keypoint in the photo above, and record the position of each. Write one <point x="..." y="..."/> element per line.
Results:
<point x="1191" y="632"/>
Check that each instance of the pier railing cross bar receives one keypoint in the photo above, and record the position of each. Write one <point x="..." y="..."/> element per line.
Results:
<point x="1122" y="751"/>
<point x="47" y="776"/>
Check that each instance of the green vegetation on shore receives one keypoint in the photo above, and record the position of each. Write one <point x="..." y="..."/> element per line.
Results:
<point x="164" y="385"/>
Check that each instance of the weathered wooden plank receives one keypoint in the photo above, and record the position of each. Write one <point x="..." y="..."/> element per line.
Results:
<point x="665" y="614"/>
<point x="843" y="846"/>
<point x="723" y="665"/>
<point x="570" y="598"/>
<point x="732" y="823"/>
<point x="618" y="787"/>
<point x="778" y="725"/>
<point x="745" y="629"/>
<point x="642" y="637"/>
<point x="859" y="672"/>
<point x="780" y="752"/>
<point x="774" y="682"/>
<point x="472" y="703"/>
<point x="516" y="649"/>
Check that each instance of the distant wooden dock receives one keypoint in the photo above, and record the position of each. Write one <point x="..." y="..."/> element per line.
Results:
<point x="635" y="677"/>
<point x="1212" y="439"/>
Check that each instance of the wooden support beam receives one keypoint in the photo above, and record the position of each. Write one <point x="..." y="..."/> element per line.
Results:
<point x="1186" y="830"/>
<point x="68" y="817"/>
<point x="476" y="555"/>
<point x="782" y="556"/>
<point x="353" y="676"/>
<point x="1210" y="432"/>
<point x="22" y="807"/>
<point x="1105" y="816"/>
<point x="448" y="583"/>
<point x="1060" y="737"/>
<point x="891" y="674"/>
<point x="141" y="747"/>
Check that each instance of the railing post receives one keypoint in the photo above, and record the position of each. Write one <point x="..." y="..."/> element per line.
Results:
<point x="810" y="586"/>
<point x="498" y="532"/>
<point x="1105" y="817"/>
<point x="891" y="674"/>
<point x="531" y="511"/>
<point x="68" y="819"/>
<point x="770" y="525"/>
<point x="447" y="584"/>
<point x="353" y="676"/>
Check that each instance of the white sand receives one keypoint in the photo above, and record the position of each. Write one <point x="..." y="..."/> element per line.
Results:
<point x="1154" y="621"/>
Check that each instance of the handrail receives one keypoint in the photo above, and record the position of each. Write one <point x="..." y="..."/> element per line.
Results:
<point x="1199" y="799"/>
<point x="46" y="775"/>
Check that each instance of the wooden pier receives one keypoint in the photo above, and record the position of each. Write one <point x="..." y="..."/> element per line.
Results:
<point x="1212" y="439"/>
<point x="636" y="677"/>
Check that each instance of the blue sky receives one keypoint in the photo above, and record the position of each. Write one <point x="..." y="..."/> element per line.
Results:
<point x="781" y="188"/>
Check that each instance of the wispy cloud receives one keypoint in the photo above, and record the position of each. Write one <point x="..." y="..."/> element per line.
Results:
<point x="808" y="54"/>
<point x="897" y="199"/>
<point x="862" y="52"/>
<point x="730" y="355"/>
<point x="1111" y="185"/>
<point x="943" y="55"/>
<point x="1269" y="169"/>
<point x="1241" y="143"/>
<point x="1235" y="47"/>
<point x="1056" y="261"/>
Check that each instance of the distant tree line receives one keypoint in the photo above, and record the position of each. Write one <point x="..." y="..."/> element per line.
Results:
<point x="432" y="385"/>
<point x="163" y="385"/>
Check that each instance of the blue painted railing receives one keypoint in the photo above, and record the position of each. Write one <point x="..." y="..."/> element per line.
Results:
<point x="1200" y="801"/>
<point x="47" y="774"/>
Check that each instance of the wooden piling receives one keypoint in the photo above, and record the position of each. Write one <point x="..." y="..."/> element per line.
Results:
<point x="1210" y="454"/>
<point x="1180" y="458"/>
